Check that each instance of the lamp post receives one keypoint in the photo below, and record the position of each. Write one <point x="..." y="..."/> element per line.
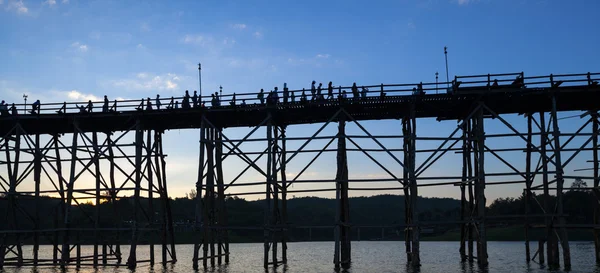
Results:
<point x="200" y="79"/>
<point x="447" y="78"/>
<point x="25" y="106"/>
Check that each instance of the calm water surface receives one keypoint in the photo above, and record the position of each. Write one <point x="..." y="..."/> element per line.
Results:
<point x="366" y="257"/>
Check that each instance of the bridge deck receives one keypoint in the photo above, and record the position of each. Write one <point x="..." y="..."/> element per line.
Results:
<point x="442" y="106"/>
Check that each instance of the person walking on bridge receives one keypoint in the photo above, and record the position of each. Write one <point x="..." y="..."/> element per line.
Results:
<point x="35" y="107"/>
<point x="313" y="91"/>
<point x="330" y="91"/>
<point x="157" y="102"/>
<point x="105" y="105"/>
<point x="195" y="99"/>
<point x="186" y="100"/>
<point x="355" y="93"/>
<point x="286" y="93"/>
<point x="261" y="96"/>
<point x="90" y="106"/>
<point x="148" y="105"/>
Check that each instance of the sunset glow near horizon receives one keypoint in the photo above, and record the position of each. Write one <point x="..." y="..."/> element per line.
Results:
<point x="69" y="50"/>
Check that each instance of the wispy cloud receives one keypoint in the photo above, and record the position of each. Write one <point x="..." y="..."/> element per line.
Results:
<point x="95" y="35"/>
<point x="258" y="35"/>
<point x="411" y="24"/>
<point x="144" y="81"/>
<point x="323" y="56"/>
<point x="79" y="47"/>
<point x="239" y="26"/>
<point x="465" y="2"/>
<point x="18" y="6"/>
<point x="140" y="46"/>
<point x="228" y="41"/>
<point x="65" y="1"/>
<point x="49" y="2"/>
<point x="145" y="27"/>
<point x="74" y="95"/>
<point x="199" y="40"/>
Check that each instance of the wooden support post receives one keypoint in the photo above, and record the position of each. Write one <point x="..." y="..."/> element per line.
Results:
<point x="139" y="139"/>
<point x="199" y="209"/>
<point x="342" y="214"/>
<point x="113" y="197"/>
<point x="564" y="240"/>
<point x="407" y="212"/>
<point x="208" y="207"/>
<point x="267" y="212"/>
<point x="471" y="203"/>
<point x="283" y="197"/>
<point x="541" y="251"/>
<point x="36" y="177"/>
<point x="414" y="195"/>
<point x="167" y="201"/>
<point x="528" y="182"/>
<point x="482" y="256"/>
<point x="594" y="117"/>
<point x="67" y="213"/>
<point x="104" y="254"/>
<point x="275" y="189"/>
<point x="221" y="210"/>
<point x="150" y="213"/>
<point x="463" y="198"/>
<point x="96" y="161"/>
<point x="78" y="249"/>
<point x="61" y="208"/>
<point x="550" y="238"/>
<point x="163" y="198"/>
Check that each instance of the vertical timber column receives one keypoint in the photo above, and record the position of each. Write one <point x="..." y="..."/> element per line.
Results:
<point x="275" y="187"/>
<point x="139" y="143"/>
<point x="223" y="243"/>
<point x="113" y="197"/>
<point x="594" y="117"/>
<point x="36" y="177"/>
<point x="61" y="207"/>
<point x="342" y="188"/>
<point x="67" y="212"/>
<point x="199" y="209"/>
<point x="528" y="182"/>
<point x="162" y="196"/>
<point x="149" y="147"/>
<point x="167" y="201"/>
<point x="550" y="238"/>
<point x="283" y="198"/>
<point x="407" y="213"/>
<point x="208" y="207"/>
<point x="96" y="161"/>
<point x="267" y="221"/>
<point x="463" y="199"/>
<point x="414" y="195"/>
<point x="482" y="256"/>
<point x="564" y="240"/>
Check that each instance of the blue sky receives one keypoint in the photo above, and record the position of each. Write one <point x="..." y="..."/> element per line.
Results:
<point x="59" y="50"/>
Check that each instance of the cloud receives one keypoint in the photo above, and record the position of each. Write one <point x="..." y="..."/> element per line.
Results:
<point x="258" y="35"/>
<point x="196" y="40"/>
<point x="95" y="35"/>
<point x="239" y="26"/>
<point x="140" y="46"/>
<point x="146" y="82"/>
<point x="49" y="2"/>
<point x="79" y="47"/>
<point x="145" y="27"/>
<point x="411" y="24"/>
<point x="17" y="6"/>
<point x="229" y="41"/>
<point x="323" y="56"/>
<point x="65" y="1"/>
<point x="465" y="2"/>
<point x="74" y="95"/>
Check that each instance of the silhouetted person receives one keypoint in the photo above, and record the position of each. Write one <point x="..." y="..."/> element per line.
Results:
<point x="157" y="102"/>
<point x="13" y="110"/>
<point x="354" y="91"/>
<point x="420" y="89"/>
<point x="3" y="108"/>
<point x="217" y="99"/>
<point x="344" y="95"/>
<point x="261" y="96"/>
<point x="275" y="96"/>
<point x="82" y="109"/>
<point x="303" y="96"/>
<point x="232" y="102"/>
<point x="330" y="91"/>
<point x="293" y="97"/>
<point x="319" y="89"/>
<point x="363" y="93"/>
<point x="195" y="99"/>
<point x="185" y="104"/>
<point x="35" y="106"/>
<point x="90" y="106"/>
<point x="105" y="105"/>
<point x="148" y="105"/>
<point x="313" y="90"/>
<point x="177" y="105"/>
<point x="213" y="100"/>
<point x="62" y="109"/>
<point x="285" y="93"/>
<point x="243" y="103"/>
<point x="141" y="106"/>
<point x="495" y="84"/>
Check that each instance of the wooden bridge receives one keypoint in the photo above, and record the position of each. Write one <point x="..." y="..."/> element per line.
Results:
<point x="118" y="145"/>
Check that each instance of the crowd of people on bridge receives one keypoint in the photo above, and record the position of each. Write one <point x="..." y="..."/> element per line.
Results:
<point x="316" y="94"/>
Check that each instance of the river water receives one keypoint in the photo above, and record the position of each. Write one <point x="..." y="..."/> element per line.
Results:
<point x="366" y="257"/>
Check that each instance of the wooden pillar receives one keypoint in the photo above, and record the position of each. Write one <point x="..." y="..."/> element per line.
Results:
<point x="407" y="212"/>
<point x="471" y="203"/>
<point x="36" y="177"/>
<point x="564" y="240"/>
<point x="113" y="198"/>
<point x="162" y="197"/>
<point x="414" y="195"/>
<point x="283" y="197"/>
<point x="482" y="256"/>
<point x="594" y="116"/>
<point x="463" y="198"/>
<point x="167" y="201"/>
<point x="61" y="208"/>
<point x="209" y="202"/>
<point x="149" y="145"/>
<point x="528" y="182"/>
<point x="67" y="213"/>
<point x="139" y="139"/>
<point x="275" y="189"/>
<point x="342" y="214"/>
<point x="267" y="212"/>
<point x="221" y="216"/>
<point x="199" y="208"/>
<point x="550" y="238"/>
<point x="96" y="161"/>
<point x="541" y="251"/>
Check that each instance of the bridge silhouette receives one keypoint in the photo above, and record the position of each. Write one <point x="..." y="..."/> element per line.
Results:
<point x="33" y="149"/>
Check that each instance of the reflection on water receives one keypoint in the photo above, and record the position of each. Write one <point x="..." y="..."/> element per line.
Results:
<point x="366" y="257"/>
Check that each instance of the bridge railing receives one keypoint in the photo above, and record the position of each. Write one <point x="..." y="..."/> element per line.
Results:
<point x="372" y="93"/>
